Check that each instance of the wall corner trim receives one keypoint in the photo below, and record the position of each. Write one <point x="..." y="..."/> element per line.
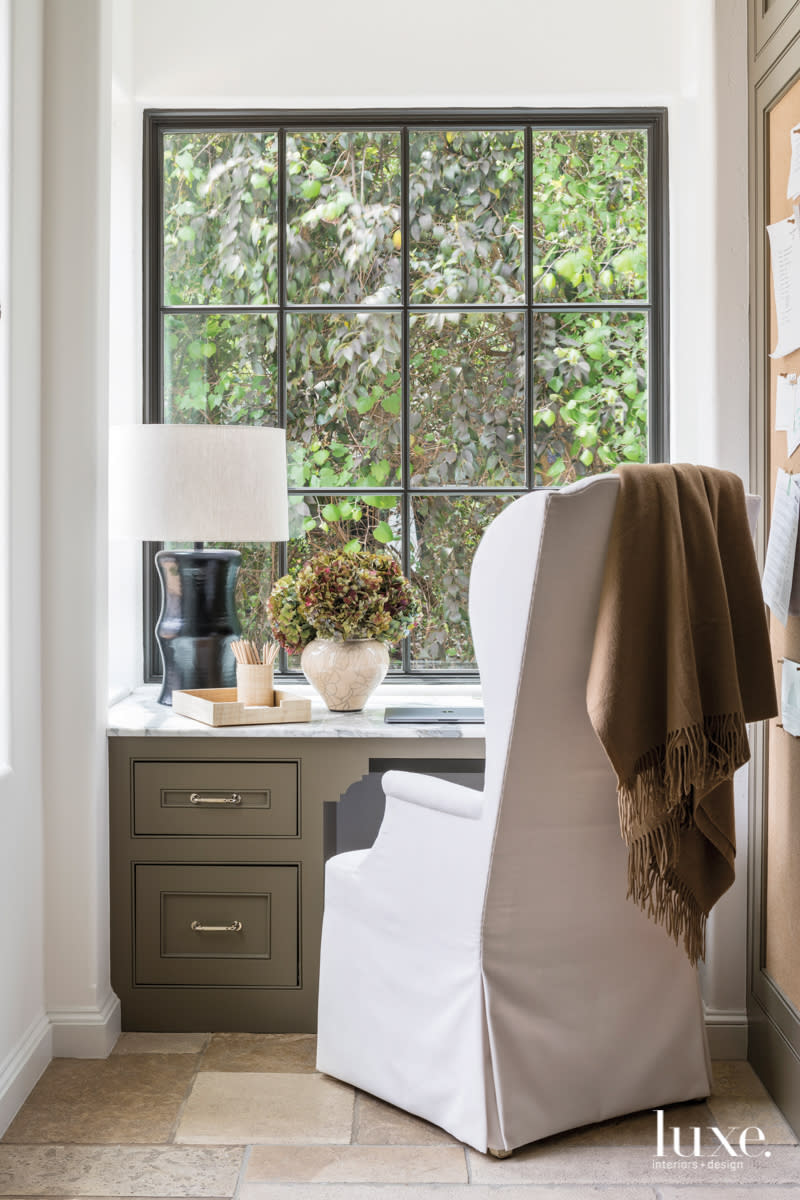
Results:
<point x="22" y="1068"/>
<point x="727" y="1032"/>
<point x="86" y="1032"/>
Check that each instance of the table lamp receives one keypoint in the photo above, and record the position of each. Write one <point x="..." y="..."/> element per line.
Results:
<point x="197" y="483"/>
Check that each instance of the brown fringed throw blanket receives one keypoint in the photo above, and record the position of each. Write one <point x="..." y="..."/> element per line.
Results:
<point x="681" y="661"/>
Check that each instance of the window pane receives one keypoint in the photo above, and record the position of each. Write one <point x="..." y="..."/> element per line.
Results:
<point x="343" y="210"/>
<point x="443" y="538"/>
<point x="467" y="399"/>
<point x="590" y="393"/>
<point x="221" y="368"/>
<point x="466" y="205"/>
<point x="343" y="399"/>
<point x="319" y="523"/>
<point x="589" y="215"/>
<point x="260" y="568"/>
<point x="220" y="218"/>
<point x="322" y="522"/>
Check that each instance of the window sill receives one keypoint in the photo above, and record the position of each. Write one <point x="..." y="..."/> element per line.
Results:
<point x="139" y="714"/>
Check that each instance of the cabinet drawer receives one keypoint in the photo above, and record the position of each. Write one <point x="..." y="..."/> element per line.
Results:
<point x="200" y="925"/>
<point x="215" y="799"/>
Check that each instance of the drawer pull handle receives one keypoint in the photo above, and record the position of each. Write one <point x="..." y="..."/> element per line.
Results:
<point x="234" y="798"/>
<point x="198" y="927"/>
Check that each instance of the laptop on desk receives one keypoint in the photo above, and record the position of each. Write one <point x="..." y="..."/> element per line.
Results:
<point x="428" y="714"/>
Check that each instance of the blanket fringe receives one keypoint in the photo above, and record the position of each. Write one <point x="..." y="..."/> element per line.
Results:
<point x="658" y="803"/>
<point x="652" y="885"/>
<point x="692" y="762"/>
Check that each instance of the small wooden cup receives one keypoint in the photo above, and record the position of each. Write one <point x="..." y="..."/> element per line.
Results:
<point x="254" y="684"/>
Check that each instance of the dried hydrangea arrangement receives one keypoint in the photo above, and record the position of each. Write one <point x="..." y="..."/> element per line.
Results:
<point x="287" y="615"/>
<point x="342" y="597"/>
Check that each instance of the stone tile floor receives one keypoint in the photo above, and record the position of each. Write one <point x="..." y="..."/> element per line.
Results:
<point x="246" y="1116"/>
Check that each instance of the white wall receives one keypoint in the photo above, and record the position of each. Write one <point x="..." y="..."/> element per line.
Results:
<point x="125" y="340"/>
<point x="55" y="993"/>
<point x="721" y="352"/>
<point x="445" y="52"/>
<point x="25" y="1040"/>
<point x="75" y="224"/>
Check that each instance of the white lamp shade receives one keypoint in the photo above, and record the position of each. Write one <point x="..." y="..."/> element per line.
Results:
<point x="198" y="483"/>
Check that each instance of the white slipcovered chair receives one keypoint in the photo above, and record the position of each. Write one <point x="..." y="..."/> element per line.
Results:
<point x="481" y="965"/>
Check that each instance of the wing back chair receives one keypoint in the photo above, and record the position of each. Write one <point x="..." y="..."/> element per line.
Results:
<point x="481" y="965"/>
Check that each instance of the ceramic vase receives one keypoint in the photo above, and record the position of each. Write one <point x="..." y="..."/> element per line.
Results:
<point x="345" y="673"/>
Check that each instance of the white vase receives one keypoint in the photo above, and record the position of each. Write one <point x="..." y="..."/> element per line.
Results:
<point x="345" y="673"/>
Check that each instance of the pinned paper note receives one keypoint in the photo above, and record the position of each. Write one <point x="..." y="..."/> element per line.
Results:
<point x="790" y="697"/>
<point x="787" y="410"/>
<point x="779" y="566"/>
<point x="793" y="434"/>
<point x="785" y="394"/>
<point x="793" y="188"/>
<point x="784" y="241"/>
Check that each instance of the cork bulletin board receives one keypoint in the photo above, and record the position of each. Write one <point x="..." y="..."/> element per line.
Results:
<point x="782" y="898"/>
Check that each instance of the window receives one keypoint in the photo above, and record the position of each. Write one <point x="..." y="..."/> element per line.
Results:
<point x="444" y="310"/>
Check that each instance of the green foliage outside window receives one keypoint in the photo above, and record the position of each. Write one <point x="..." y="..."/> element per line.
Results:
<point x="527" y="395"/>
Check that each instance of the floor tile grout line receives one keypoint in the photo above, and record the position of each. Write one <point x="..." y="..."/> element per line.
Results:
<point x="355" y="1129"/>
<point x="182" y="1106"/>
<point x="242" y="1177"/>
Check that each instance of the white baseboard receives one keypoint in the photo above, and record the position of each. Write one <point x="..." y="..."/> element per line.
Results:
<point x="22" y="1068"/>
<point x="86" y="1032"/>
<point x="727" y="1033"/>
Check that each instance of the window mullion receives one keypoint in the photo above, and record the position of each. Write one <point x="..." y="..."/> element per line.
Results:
<point x="405" y="352"/>
<point x="283" y="552"/>
<point x="153" y="408"/>
<point x="527" y="226"/>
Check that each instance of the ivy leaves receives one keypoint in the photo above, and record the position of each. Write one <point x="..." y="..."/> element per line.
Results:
<point x="485" y="399"/>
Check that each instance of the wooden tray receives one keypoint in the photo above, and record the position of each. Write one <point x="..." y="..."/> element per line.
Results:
<point x="219" y="706"/>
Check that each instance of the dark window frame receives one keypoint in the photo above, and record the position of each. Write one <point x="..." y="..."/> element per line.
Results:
<point x="652" y="120"/>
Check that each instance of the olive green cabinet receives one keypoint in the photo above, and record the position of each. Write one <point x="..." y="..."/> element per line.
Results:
<point x="216" y="884"/>
<point x="218" y="845"/>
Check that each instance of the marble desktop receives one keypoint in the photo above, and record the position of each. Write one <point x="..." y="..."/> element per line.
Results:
<point x="140" y="715"/>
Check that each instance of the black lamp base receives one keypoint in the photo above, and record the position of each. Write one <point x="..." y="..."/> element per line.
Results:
<point x="198" y="619"/>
